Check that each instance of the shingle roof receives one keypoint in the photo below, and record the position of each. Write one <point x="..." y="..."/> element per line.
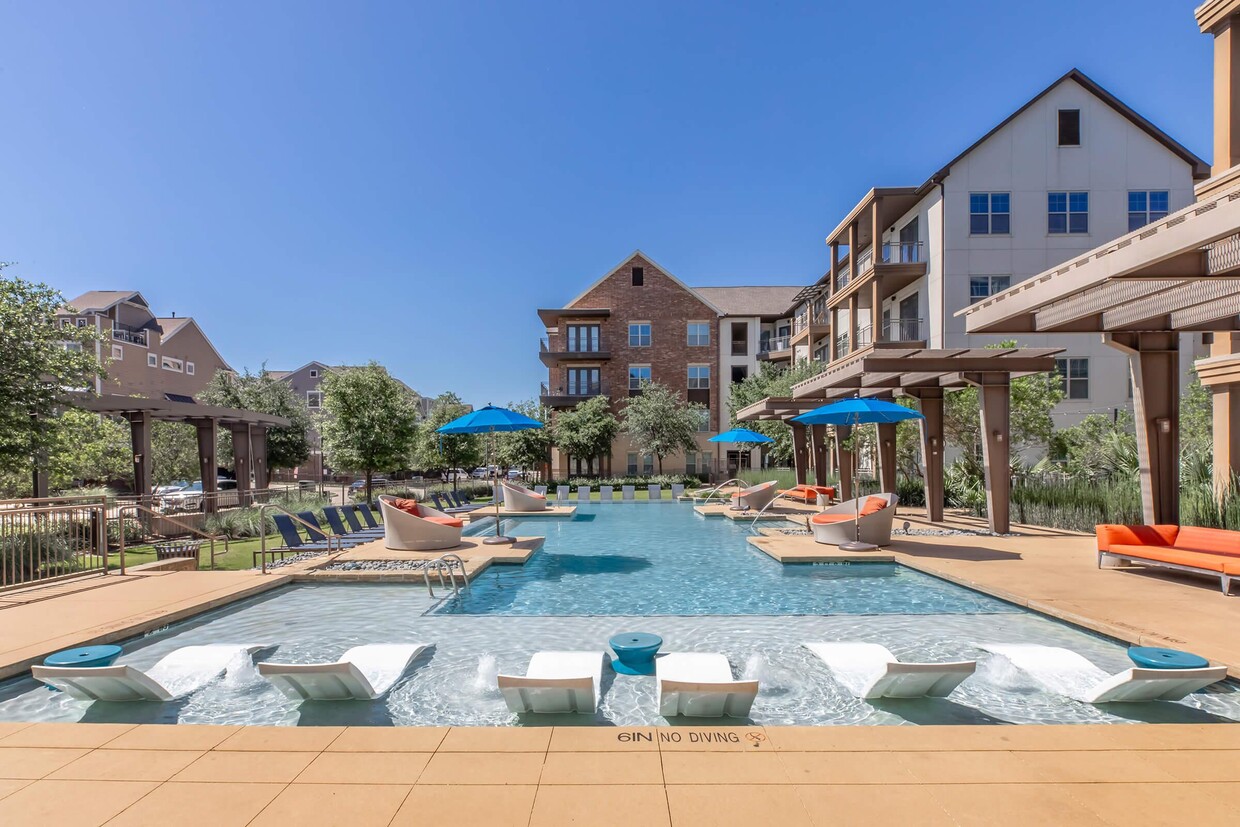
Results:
<point x="172" y="324"/>
<point x="757" y="300"/>
<point x="99" y="300"/>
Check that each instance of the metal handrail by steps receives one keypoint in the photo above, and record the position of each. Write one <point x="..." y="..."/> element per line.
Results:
<point x="712" y="492"/>
<point x="310" y="530"/>
<point x="441" y="565"/>
<point x="137" y="508"/>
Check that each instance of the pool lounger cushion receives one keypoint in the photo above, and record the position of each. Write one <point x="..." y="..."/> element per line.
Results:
<point x="555" y="682"/>
<point x="1131" y="685"/>
<point x="363" y="673"/>
<point x="176" y="674"/>
<point x="700" y="685"/>
<point x="888" y="677"/>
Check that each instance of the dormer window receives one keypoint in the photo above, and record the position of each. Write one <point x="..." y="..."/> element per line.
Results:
<point x="639" y="276"/>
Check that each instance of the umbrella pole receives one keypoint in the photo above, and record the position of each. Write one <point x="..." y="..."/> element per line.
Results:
<point x="856" y="544"/>
<point x="498" y="538"/>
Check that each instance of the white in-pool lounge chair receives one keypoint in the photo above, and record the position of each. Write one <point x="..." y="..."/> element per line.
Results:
<point x="175" y="675"/>
<point x="756" y="497"/>
<point x="626" y="492"/>
<point x="605" y="493"/>
<point x="562" y="493"/>
<point x="678" y="491"/>
<point x="427" y="530"/>
<point x="700" y="685"/>
<point x="583" y="493"/>
<point x="363" y="673"/>
<point x="1130" y="685"/>
<point x="883" y="676"/>
<point x="865" y="518"/>
<point x="541" y="489"/>
<point x="519" y="498"/>
<point x="555" y="682"/>
<point x="654" y="492"/>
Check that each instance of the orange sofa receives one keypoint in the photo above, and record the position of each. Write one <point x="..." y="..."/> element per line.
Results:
<point x="1213" y="552"/>
<point x="808" y="494"/>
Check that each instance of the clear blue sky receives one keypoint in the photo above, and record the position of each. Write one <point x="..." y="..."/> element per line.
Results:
<point x="407" y="182"/>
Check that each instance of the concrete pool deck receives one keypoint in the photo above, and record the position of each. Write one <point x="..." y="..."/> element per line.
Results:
<point x="551" y="511"/>
<point x="120" y="774"/>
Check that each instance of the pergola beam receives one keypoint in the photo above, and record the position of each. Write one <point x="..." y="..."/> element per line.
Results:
<point x="1154" y="311"/>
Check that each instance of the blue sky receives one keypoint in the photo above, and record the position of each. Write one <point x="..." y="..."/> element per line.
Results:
<point x="408" y="182"/>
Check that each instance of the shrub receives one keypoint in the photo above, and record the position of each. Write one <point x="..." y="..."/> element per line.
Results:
<point x="24" y="553"/>
<point x="241" y="523"/>
<point x="665" y="480"/>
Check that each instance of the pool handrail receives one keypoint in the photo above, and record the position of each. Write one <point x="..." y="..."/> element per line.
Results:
<point x="136" y="508"/>
<point x="439" y="565"/>
<point x="712" y="492"/>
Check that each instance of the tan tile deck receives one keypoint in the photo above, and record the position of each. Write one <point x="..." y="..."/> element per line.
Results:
<point x="477" y="556"/>
<point x="780" y="775"/>
<point x="783" y="510"/>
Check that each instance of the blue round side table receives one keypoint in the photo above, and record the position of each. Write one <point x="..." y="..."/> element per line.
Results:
<point x="84" y="656"/>
<point x="635" y="652"/>
<point x="1152" y="657"/>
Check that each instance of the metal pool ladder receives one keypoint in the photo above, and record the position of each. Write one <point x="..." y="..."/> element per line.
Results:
<point x="444" y="566"/>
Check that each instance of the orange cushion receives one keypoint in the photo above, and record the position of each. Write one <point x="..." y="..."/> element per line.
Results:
<point x="1135" y="535"/>
<point x="873" y="505"/>
<point x="1212" y="540"/>
<point x="1166" y="554"/>
<point x="808" y="493"/>
<point x="407" y="506"/>
<point x="448" y="521"/>
<point x="827" y="519"/>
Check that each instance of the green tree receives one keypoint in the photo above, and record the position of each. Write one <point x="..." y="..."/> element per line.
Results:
<point x="174" y="452"/>
<point x="525" y="449"/>
<point x="287" y="447"/>
<point x="1032" y="397"/>
<point x="659" y="422"/>
<point x="369" y="420"/>
<point x="1197" y="420"/>
<point x="586" y="431"/>
<point x="89" y="449"/>
<point x="771" y="381"/>
<point x="439" y="452"/>
<point x="39" y="361"/>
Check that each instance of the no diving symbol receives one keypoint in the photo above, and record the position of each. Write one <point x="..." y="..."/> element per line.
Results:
<point x="755" y="738"/>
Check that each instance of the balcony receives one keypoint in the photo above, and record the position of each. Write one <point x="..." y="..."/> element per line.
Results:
<point x="775" y="349"/>
<point x="550" y="353"/>
<point x="125" y="333"/>
<point x="902" y="330"/>
<point x="899" y="265"/>
<point x="568" y="395"/>
<point x="810" y="324"/>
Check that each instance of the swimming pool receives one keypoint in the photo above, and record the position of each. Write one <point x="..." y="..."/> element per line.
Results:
<point x="473" y="638"/>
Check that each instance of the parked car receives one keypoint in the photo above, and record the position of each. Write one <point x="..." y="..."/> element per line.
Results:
<point x="375" y="482"/>
<point x="175" y="485"/>
<point x="481" y="473"/>
<point x="454" y="473"/>
<point x="514" y="474"/>
<point x="188" y="498"/>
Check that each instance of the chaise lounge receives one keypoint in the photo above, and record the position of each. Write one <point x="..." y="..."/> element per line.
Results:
<point x="519" y="498"/>
<point x="175" y="675"/>
<point x="363" y="673"/>
<point x="1211" y="552"/>
<point x="867" y="517"/>
<point x="411" y="526"/>
<point x="700" y="685"/>
<point x="555" y="682"/>
<point x="756" y="497"/>
<point x="809" y="494"/>
<point x="884" y="676"/>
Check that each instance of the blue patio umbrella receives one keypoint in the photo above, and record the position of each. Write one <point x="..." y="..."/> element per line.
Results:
<point x="490" y="420"/>
<point x="857" y="411"/>
<point x="740" y="435"/>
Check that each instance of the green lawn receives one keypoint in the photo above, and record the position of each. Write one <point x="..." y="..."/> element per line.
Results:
<point x="240" y="554"/>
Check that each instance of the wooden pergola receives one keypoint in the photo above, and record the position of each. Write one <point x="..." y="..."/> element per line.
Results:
<point x="248" y="430"/>
<point x="925" y="374"/>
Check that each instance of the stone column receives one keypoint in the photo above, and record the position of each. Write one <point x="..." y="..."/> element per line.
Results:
<point x="1154" y="359"/>
<point x="800" y="451"/>
<point x="208" y="464"/>
<point x="140" y="438"/>
<point x="931" y="400"/>
<point x="887" y="457"/>
<point x="818" y="435"/>
<point x="995" y="394"/>
<point x="262" y="474"/>
<point x="845" y="457"/>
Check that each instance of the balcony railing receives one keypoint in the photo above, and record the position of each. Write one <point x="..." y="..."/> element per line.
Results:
<point x="124" y="333"/>
<point x="865" y="336"/>
<point x="774" y="344"/>
<point x="570" y="346"/>
<point x="842" y="347"/>
<point x="843" y="277"/>
<point x="892" y="252"/>
<point x="816" y="317"/>
<point x="902" y="330"/>
<point x="570" y="393"/>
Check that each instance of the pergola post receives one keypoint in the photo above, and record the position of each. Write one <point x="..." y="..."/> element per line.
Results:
<point x="241" y="460"/>
<point x="140" y="439"/>
<point x="818" y="435"/>
<point x="995" y="392"/>
<point x="1154" y="359"/>
<point x="887" y="457"/>
<point x="208" y="464"/>
<point x="262" y="475"/>
<point x="800" y="451"/>
<point x="931" y="400"/>
<point x="1226" y="421"/>
<point x="39" y="483"/>
<point x="843" y="455"/>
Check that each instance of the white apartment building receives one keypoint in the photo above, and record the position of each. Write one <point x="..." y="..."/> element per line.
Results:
<point x="1071" y="169"/>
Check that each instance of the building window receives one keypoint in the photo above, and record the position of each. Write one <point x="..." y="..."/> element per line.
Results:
<point x="81" y="323"/>
<point x="118" y="353"/>
<point x="152" y="361"/>
<point x="637" y="375"/>
<point x="175" y="365"/>
<point x="1073" y="377"/>
<point x="699" y="377"/>
<point x="630" y="466"/>
<point x="699" y="334"/>
<point x="1067" y="212"/>
<point x="314" y="399"/>
<point x="990" y="213"/>
<point x="1146" y="206"/>
<point x="639" y="334"/>
<point x="639" y="276"/>
<point x="583" y="338"/>
<point x="584" y="382"/>
<point x="314" y="374"/>
<point x="739" y="373"/>
<point x="189" y="368"/>
<point x="76" y="347"/>
<point x="703" y="420"/>
<point x="981" y="287"/>
<point x="1069" y="127"/>
<point x="648" y="464"/>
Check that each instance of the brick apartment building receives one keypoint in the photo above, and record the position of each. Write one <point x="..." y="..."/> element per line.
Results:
<point x="639" y="322"/>
<point x="145" y="354"/>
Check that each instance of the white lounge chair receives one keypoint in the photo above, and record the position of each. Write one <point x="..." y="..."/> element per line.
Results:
<point x="756" y="497"/>
<point x="175" y="675"/>
<point x="541" y="490"/>
<point x="363" y="673"/>
<point x="428" y="530"/>
<point x="605" y="493"/>
<point x="555" y="682"/>
<point x="654" y="492"/>
<point x="841" y="524"/>
<point x="519" y="498"/>
<point x="878" y="674"/>
<point x="626" y="492"/>
<point x="583" y="493"/>
<point x="678" y="491"/>
<point x="562" y="493"/>
<point x="700" y="685"/>
<point x="1130" y="685"/>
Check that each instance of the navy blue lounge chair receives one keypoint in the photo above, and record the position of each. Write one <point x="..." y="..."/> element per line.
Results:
<point x="332" y="513"/>
<point x="450" y="508"/>
<point x="354" y="527"/>
<point x="368" y="515"/>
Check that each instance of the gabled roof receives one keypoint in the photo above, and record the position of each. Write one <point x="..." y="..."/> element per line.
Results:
<point x="98" y="301"/>
<point x="661" y="268"/>
<point x="173" y="326"/>
<point x="757" y="300"/>
<point x="1201" y="169"/>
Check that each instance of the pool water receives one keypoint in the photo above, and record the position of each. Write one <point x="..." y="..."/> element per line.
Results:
<point x="702" y="590"/>
<point x="665" y="559"/>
